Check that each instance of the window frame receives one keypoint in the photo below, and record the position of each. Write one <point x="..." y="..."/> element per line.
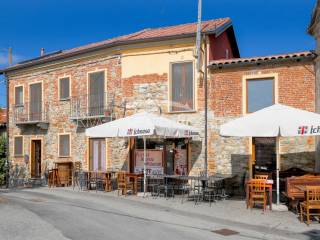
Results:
<point x="14" y="145"/>
<point x="59" y="88"/>
<point x="29" y="96"/>
<point x="105" y="86"/>
<point x="259" y="76"/>
<point x="64" y="134"/>
<point x="170" y="87"/>
<point x="20" y="104"/>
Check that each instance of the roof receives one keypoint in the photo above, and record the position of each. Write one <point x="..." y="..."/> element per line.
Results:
<point x="214" y="26"/>
<point x="236" y="62"/>
<point x="3" y="116"/>
<point x="314" y="18"/>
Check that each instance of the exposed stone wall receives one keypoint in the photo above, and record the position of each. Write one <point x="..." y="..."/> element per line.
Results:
<point x="296" y="88"/>
<point x="150" y="93"/>
<point x="59" y="111"/>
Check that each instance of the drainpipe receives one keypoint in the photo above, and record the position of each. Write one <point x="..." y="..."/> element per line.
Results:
<point x="205" y="79"/>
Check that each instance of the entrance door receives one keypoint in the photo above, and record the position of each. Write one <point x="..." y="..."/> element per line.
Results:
<point x="97" y="154"/>
<point x="35" y="104"/>
<point x="264" y="155"/>
<point x="35" y="158"/>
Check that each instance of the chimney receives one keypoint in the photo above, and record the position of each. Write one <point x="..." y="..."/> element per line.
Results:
<point x="227" y="53"/>
<point x="42" y="52"/>
<point x="10" y="56"/>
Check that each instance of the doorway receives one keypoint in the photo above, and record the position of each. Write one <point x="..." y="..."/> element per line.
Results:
<point x="264" y="156"/>
<point x="97" y="154"/>
<point x="36" y="158"/>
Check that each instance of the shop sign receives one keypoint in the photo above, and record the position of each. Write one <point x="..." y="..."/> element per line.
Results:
<point x="180" y="162"/>
<point x="154" y="161"/>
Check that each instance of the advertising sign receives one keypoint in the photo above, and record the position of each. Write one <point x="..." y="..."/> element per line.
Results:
<point x="154" y="161"/>
<point x="180" y="162"/>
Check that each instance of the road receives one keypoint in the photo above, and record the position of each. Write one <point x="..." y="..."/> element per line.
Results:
<point x="54" y="214"/>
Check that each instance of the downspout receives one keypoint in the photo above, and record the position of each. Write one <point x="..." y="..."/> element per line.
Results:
<point x="205" y="81"/>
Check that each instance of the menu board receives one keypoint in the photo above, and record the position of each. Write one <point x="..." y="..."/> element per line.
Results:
<point x="154" y="161"/>
<point x="180" y="162"/>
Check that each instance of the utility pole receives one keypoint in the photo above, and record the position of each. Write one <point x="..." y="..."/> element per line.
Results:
<point x="198" y="39"/>
<point x="7" y="89"/>
<point x="199" y="59"/>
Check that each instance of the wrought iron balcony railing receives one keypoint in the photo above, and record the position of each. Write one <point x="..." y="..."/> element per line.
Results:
<point x="91" y="106"/>
<point x="30" y="112"/>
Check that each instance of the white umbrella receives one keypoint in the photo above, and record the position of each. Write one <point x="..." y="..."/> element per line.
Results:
<point x="145" y="125"/>
<point x="274" y="121"/>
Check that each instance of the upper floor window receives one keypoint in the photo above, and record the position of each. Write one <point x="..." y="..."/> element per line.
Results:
<point x="182" y="87"/>
<point x="18" y="95"/>
<point x="64" y="88"/>
<point x="64" y="145"/>
<point x="260" y="94"/>
<point x="18" y="146"/>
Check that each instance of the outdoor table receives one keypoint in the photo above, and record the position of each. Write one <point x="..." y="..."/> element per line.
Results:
<point x="269" y="184"/>
<point x="134" y="178"/>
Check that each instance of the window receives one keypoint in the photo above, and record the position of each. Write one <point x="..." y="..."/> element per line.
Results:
<point x="260" y="94"/>
<point x="64" y="145"/>
<point x="18" y="146"/>
<point x="182" y="94"/>
<point x="96" y="93"/>
<point x="18" y="96"/>
<point x="35" y="98"/>
<point x="64" y="88"/>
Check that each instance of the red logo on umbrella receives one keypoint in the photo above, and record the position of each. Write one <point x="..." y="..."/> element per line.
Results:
<point x="129" y="132"/>
<point x="303" y="130"/>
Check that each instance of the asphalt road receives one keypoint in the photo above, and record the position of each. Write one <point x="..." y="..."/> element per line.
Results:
<point x="30" y="214"/>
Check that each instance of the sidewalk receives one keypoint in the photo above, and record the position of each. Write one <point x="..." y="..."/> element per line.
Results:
<point x="228" y="213"/>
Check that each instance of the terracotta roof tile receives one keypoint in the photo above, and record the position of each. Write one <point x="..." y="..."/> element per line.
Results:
<point x="146" y="34"/>
<point x="259" y="59"/>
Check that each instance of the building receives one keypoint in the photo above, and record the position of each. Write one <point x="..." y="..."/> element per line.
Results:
<point x="3" y="122"/>
<point x="54" y="98"/>
<point x="240" y="86"/>
<point x="314" y="30"/>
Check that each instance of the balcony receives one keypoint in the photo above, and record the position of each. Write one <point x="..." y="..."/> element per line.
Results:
<point x="35" y="113"/>
<point x="91" y="106"/>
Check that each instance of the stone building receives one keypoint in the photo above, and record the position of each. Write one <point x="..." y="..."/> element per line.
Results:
<point x="314" y="30"/>
<point x="54" y="98"/>
<point x="244" y="85"/>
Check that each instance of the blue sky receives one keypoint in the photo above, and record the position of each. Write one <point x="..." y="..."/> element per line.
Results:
<point x="262" y="26"/>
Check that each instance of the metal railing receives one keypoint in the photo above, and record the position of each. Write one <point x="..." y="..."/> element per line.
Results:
<point x="30" y="112"/>
<point x="91" y="106"/>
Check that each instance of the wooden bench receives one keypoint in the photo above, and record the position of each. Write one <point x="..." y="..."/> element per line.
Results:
<point x="293" y="193"/>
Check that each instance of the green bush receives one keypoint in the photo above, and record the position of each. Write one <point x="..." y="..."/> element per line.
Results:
<point x="3" y="142"/>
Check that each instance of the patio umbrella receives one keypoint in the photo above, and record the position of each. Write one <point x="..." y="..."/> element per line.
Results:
<point x="145" y="125"/>
<point x="274" y="121"/>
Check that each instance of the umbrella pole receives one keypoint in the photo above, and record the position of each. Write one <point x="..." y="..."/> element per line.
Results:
<point x="144" y="165"/>
<point x="278" y="169"/>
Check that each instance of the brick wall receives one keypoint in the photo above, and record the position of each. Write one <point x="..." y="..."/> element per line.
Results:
<point x="59" y="111"/>
<point x="296" y="88"/>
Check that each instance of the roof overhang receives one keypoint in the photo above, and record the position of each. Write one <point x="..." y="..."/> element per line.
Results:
<point x="60" y="55"/>
<point x="242" y="62"/>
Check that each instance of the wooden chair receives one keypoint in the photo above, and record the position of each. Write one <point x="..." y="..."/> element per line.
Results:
<point x="312" y="202"/>
<point x="261" y="177"/>
<point x="258" y="193"/>
<point x="123" y="183"/>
